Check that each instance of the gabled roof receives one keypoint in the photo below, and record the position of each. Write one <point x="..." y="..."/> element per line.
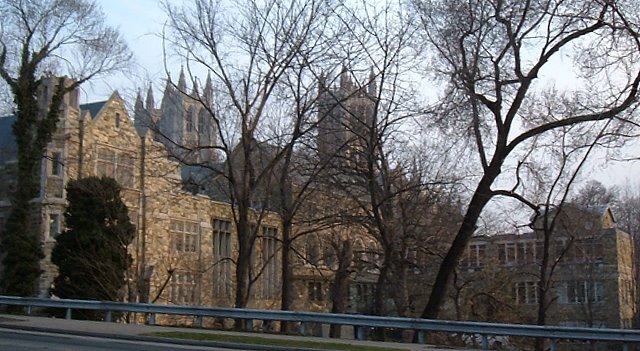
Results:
<point x="93" y="108"/>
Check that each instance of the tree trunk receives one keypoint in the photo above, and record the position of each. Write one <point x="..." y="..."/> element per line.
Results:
<point x="541" y="313"/>
<point x="378" y="299"/>
<point x="400" y="291"/>
<point x="287" y="293"/>
<point x="244" y="262"/>
<point x="480" y="198"/>
<point x="341" y="285"/>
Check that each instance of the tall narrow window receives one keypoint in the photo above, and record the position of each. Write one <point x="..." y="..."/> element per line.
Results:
<point x="190" y="120"/>
<point x="520" y="253"/>
<point x="54" y="225"/>
<point x="313" y="250"/>
<point x="270" y="281"/>
<point x="117" y="120"/>
<point x="315" y="291"/>
<point x="511" y="253"/>
<point x="56" y="164"/>
<point x="125" y="169"/>
<point x="201" y="123"/>
<point x="222" y="258"/>
<point x="106" y="162"/>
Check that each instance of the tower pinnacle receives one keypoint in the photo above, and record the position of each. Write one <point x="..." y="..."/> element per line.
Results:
<point x="182" y="82"/>
<point x="150" y="101"/>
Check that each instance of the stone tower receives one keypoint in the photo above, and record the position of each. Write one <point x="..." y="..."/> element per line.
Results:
<point x="183" y="122"/>
<point x="344" y="114"/>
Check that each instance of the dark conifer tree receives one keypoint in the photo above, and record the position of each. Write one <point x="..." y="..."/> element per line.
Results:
<point x="91" y="254"/>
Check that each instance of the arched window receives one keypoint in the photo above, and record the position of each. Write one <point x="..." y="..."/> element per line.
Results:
<point x="330" y="257"/>
<point x="359" y="252"/>
<point x="313" y="249"/>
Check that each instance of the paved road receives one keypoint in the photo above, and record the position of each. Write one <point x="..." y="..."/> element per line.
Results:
<point x="16" y="340"/>
<point x="104" y="336"/>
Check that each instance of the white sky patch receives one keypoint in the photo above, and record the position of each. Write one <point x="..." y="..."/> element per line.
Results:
<point x="141" y="23"/>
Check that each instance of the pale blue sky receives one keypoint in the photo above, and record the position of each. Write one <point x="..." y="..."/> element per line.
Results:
<point x="140" y="22"/>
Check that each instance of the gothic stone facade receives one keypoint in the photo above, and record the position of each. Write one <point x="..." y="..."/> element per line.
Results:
<point x="185" y="244"/>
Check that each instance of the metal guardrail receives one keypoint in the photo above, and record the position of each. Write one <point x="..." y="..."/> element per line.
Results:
<point x="359" y="322"/>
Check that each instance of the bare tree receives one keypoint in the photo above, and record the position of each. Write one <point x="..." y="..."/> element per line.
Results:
<point x="64" y="37"/>
<point x="376" y="168"/>
<point x="596" y="194"/>
<point x="248" y="47"/>
<point x="492" y="54"/>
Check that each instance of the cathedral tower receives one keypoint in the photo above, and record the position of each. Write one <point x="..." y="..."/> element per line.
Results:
<point x="183" y="122"/>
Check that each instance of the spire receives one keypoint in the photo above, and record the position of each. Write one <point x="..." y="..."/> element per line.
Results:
<point x="194" y="92"/>
<point x="138" y="105"/>
<point x="322" y="83"/>
<point x="140" y="120"/>
<point x="345" y="81"/>
<point x="372" y="85"/>
<point x="168" y="93"/>
<point x="150" y="102"/>
<point x="182" y="82"/>
<point x="208" y="89"/>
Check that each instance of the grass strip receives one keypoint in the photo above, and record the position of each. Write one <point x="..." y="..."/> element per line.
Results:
<point x="254" y="340"/>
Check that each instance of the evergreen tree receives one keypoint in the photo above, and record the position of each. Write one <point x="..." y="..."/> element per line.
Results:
<point x="91" y="254"/>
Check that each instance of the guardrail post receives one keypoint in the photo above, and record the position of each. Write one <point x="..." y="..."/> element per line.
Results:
<point x="303" y="327"/>
<point x="152" y="319"/>
<point x="359" y="331"/>
<point x="68" y="314"/>
<point x="199" y="322"/>
<point x="625" y="347"/>
<point x="108" y="317"/>
<point x="485" y="342"/>
<point x="28" y="310"/>
<point x="554" y="345"/>
<point x="249" y="325"/>
<point x="421" y="337"/>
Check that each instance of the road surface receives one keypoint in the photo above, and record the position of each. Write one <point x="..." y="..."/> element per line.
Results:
<point x="17" y="340"/>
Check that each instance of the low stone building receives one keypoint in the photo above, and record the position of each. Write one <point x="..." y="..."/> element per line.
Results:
<point x="590" y="272"/>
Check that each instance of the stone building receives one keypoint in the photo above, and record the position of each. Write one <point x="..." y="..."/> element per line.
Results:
<point x="592" y="282"/>
<point x="184" y="248"/>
